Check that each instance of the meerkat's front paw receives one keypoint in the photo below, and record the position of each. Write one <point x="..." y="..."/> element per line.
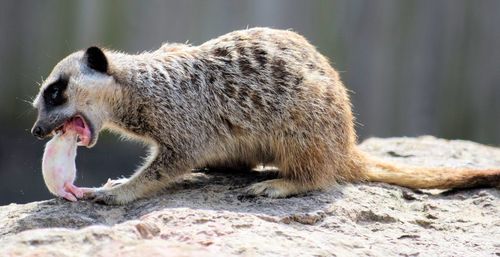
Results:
<point x="106" y="196"/>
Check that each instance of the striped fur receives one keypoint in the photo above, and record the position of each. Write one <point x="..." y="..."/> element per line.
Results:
<point x="255" y="96"/>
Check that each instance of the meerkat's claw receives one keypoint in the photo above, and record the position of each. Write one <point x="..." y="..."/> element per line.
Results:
<point x="88" y="193"/>
<point x="101" y="196"/>
<point x="108" y="196"/>
<point x="114" y="182"/>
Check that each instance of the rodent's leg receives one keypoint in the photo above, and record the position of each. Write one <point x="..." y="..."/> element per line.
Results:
<point x="67" y="195"/>
<point x="160" y="171"/>
<point x="69" y="187"/>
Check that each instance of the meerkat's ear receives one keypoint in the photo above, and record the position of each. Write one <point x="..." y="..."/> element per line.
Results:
<point x="96" y="59"/>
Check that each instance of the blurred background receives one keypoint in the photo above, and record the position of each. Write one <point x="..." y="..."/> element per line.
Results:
<point x="415" y="67"/>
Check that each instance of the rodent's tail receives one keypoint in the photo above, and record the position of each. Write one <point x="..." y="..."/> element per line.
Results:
<point x="428" y="178"/>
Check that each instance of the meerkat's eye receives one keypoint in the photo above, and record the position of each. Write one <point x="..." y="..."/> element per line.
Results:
<point x="54" y="93"/>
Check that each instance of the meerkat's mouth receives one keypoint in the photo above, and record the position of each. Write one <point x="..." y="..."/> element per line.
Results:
<point x="80" y="126"/>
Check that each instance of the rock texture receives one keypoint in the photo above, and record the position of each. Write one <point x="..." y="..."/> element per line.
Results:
<point x="207" y="214"/>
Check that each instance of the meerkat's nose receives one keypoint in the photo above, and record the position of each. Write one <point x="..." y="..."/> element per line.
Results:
<point x="37" y="131"/>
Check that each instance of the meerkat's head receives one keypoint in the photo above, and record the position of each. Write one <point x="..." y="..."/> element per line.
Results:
<point x="75" y="92"/>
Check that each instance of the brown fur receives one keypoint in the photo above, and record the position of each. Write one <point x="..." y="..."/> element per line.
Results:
<point x="256" y="96"/>
<point x="428" y="178"/>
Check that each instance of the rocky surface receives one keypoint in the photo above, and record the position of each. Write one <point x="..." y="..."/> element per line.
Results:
<point x="207" y="214"/>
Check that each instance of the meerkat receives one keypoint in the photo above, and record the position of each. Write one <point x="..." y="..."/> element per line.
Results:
<point x="250" y="97"/>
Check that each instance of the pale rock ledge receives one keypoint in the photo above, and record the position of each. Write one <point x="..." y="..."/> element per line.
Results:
<point x="208" y="215"/>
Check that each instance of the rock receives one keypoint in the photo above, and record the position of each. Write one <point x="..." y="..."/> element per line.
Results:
<point x="207" y="214"/>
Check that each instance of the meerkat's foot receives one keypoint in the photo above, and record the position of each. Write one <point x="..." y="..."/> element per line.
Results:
<point x="277" y="188"/>
<point x="108" y="196"/>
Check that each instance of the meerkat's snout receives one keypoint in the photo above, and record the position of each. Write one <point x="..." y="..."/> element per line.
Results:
<point x="37" y="131"/>
<point x="44" y="126"/>
<point x="61" y="98"/>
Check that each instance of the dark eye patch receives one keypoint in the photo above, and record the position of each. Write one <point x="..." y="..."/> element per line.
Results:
<point x="54" y="94"/>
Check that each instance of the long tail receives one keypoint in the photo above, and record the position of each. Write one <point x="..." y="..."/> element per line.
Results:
<point x="427" y="178"/>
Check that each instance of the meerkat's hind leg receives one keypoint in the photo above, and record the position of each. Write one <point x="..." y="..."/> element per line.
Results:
<point x="289" y="184"/>
<point x="301" y="168"/>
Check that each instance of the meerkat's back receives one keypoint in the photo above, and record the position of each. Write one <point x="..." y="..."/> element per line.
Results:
<point x="274" y="99"/>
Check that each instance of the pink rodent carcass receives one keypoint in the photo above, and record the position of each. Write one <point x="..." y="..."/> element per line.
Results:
<point x="58" y="165"/>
